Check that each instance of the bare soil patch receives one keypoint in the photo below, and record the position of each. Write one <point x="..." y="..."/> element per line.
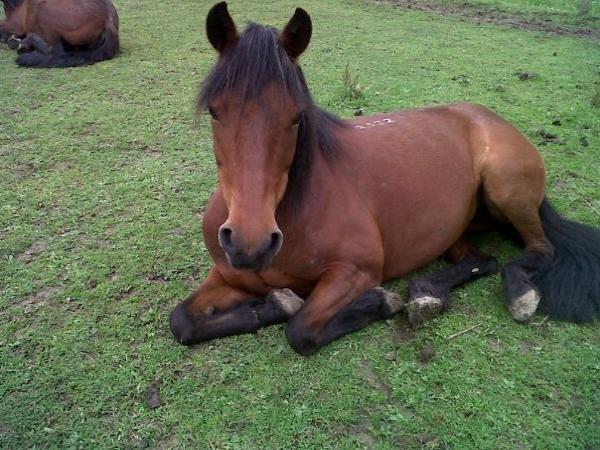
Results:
<point x="497" y="16"/>
<point x="33" y="252"/>
<point x="34" y="301"/>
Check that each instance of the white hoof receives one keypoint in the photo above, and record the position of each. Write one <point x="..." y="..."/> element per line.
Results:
<point x="286" y="300"/>
<point x="523" y="308"/>
<point x="423" y="308"/>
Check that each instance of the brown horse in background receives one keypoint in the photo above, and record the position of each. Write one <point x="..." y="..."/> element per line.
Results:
<point x="60" y="33"/>
<point x="331" y="209"/>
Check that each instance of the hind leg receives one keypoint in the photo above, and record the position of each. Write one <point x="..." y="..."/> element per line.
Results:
<point x="514" y="182"/>
<point x="521" y="295"/>
<point x="429" y="295"/>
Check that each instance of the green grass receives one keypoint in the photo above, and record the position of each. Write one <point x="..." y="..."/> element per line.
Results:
<point x="104" y="174"/>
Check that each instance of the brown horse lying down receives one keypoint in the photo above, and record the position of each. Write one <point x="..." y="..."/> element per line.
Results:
<point x="331" y="208"/>
<point x="61" y="33"/>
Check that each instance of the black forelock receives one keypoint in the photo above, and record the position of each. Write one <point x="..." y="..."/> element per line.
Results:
<point x="256" y="61"/>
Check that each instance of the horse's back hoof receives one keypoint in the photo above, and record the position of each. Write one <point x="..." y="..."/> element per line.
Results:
<point x="423" y="308"/>
<point x="524" y="307"/>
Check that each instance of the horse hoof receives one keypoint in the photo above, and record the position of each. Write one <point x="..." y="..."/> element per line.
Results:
<point x="13" y="43"/>
<point x="391" y="302"/>
<point x="423" y="308"/>
<point x="182" y="325"/>
<point x="286" y="300"/>
<point x="523" y="307"/>
<point x="23" y="49"/>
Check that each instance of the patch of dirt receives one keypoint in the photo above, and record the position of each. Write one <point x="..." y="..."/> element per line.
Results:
<point x="496" y="16"/>
<point x="62" y="166"/>
<point x="526" y="347"/>
<point x="405" y="332"/>
<point x="428" y="440"/>
<point x="546" y="137"/>
<point x="169" y="442"/>
<point x="152" y="396"/>
<point x="22" y="171"/>
<point x="38" y="299"/>
<point x="426" y="353"/>
<point x="376" y="382"/>
<point x="152" y="151"/>
<point x="127" y="293"/>
<point x="359" y="431"/>
<point x="33" y="252"/>
<point x="156" y="278"/>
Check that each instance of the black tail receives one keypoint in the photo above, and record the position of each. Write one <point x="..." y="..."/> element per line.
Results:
<point x="570" y="284"/>
<point x="106" y="48"/>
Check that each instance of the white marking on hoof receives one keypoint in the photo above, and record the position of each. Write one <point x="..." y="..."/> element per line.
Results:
<point x="392" y="301"/>
<point x="475" y="270"/>
<point x="523" y="308"/>
<point x="423" y="308"/>
<point x="13" y="42"/>
<point x="286" y="300"/>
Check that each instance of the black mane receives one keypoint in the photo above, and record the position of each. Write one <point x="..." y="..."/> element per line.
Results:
<point x="9" y="5"/>
<point x="257" y="60"/>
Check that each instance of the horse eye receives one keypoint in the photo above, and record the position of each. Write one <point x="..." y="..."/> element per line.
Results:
<point x="213" y="113"/>
<point x="297" y="120"/>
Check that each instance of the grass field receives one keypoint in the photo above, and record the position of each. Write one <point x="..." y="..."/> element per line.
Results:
<point x="104" y="174"/>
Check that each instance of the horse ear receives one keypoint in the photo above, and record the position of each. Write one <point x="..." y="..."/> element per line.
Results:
<point x="296" y="34"/>
<point x="220" y="29"/>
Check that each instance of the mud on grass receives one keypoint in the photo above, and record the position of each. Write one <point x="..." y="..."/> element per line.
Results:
<point x="489" y="13"/>
<point x="104" y="174"/>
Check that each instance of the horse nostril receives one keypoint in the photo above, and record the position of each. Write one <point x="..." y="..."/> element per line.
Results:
<point x="226" y="238"/>
<point x="276" y="240"/>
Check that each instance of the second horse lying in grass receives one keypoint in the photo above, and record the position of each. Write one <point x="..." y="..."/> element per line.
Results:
<point x="60" y="33"/>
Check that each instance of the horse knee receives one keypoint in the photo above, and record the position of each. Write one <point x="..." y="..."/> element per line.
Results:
<point x="300" y="337"/>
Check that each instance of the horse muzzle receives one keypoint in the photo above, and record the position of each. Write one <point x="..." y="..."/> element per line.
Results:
<point x="244" y="257"/>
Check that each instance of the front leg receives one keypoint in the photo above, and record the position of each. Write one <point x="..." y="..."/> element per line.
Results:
<point x="218" y="309"/>
<point x="32" y="42"/>
<point x="344" y="300"/>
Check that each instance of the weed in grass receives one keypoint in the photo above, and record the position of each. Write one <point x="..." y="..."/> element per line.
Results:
<point x="351" y="88"/>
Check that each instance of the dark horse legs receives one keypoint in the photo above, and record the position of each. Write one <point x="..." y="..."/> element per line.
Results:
<point x="32" y="42"/>
<point x="247" y="317"/>
<point x="196" y="320"/>
<point x="429" y="295"/>
<point x="372" y="305"/>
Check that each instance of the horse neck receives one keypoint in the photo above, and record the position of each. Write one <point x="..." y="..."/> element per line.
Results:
<point x="315" y="189"/>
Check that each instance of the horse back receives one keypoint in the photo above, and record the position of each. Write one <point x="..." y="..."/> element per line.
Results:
<point x="418" y="172"/>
